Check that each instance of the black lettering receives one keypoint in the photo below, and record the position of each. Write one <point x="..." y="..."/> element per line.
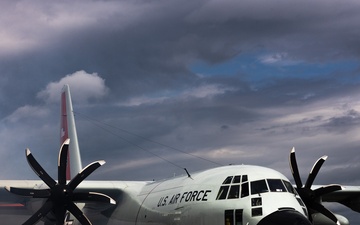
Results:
<point x="198" y="198"/>
<point x="188" y="196"/>
<point x="204" y="199"/>
<point x="160" y="201"/>
<point x="183" y="196"/>
<point x="176" y="198"/>
<point x="172" y="200"/>
<point x="164" y="201"/>
<point x="194" y="195"/>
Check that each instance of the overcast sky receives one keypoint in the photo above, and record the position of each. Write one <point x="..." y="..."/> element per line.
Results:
<point x="230" y="81"/>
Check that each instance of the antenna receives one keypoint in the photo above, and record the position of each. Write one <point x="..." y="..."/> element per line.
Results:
<point x="187" y="172"/>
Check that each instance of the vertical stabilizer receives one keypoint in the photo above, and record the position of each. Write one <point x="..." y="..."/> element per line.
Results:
<point x="68" y="130"/>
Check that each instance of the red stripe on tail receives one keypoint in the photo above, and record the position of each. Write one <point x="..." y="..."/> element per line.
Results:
<point x="64" y="131"/>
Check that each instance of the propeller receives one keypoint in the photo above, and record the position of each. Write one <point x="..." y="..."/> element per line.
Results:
<point x="61" y="196"/>
<point x="312" y="198"/>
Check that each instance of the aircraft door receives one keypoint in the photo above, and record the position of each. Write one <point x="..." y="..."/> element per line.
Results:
<point x="233" y="217"/>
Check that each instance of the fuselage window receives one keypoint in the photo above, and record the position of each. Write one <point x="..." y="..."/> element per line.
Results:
<point x="238" y="216"/>
<point x="258" y="187"/>
<point x="229" y="217"/>
<point x="234" y="192"/>
<point x="276" y="185"/>
<point x="256" y="202"/>
<point x="228" y="180"/>
<point x="244" y="189"/>
<point x="289" y="187"/>
<point x="256" y="212"/>
<point x="222" y="192"/>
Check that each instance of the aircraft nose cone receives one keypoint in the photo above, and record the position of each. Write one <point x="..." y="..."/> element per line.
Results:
<point x="285" y="217"/>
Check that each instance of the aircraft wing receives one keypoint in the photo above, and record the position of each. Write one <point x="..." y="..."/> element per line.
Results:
<point x="348" y="196"/>
<point x="111" y="188"/>
<point x="15" y="209"/>
<point x="8" y="200"/>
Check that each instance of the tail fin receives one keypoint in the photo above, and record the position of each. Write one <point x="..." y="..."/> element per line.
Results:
<point x="68" y="130"/>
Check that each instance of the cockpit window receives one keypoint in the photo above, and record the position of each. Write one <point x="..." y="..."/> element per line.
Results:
<point x="236" y="180"/>
<point x="234" y="192"/>
<point x="289" y="187"/>
<point x="244" y="189"/>
<point x="276" y="185"/>
<point x="244" y="178"/>
<point x="234" y="187"/>
<point x="258" y="187"/>
<point x="222" y="192"/>
<point x="228" y="180"/>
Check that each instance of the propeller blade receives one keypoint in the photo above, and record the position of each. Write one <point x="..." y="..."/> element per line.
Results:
<point x="39" y="170"/>
<point x="60" y="196"/>
<point x="43" y="211"/>
<point x="314" y="171"/>
<point x="93" y="197"/>
<point x="312" y="198"/>
<point x="62" y="162"/>
<point x="60" y="214"/>
<point x="321" y="209"/>
<point x="327" y="189"/>
<point x="85" y="173"/>
<point x="34" y="193"/>
<point x="294" y="169"/>
<point x="79" y="215"/>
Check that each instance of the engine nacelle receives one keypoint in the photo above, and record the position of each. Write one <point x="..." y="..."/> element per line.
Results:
<point x="320" y="219"/>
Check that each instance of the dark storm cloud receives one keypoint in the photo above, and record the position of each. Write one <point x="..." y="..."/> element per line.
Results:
<point x="131" y="67"/>
<point x="143" y="49"/>
<point x="156" y="42"/>
<point x="343" y="123"/>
